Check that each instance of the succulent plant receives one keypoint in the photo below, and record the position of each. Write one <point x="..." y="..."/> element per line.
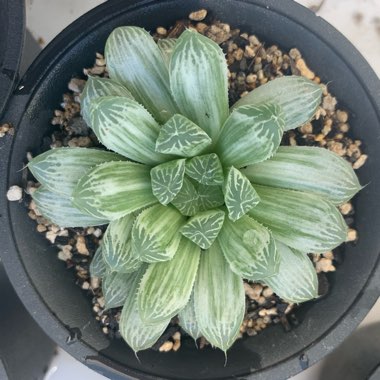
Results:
<point x="197" y="196"/>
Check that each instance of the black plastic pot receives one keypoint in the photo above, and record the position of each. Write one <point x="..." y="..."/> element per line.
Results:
<point x="49" y="291"/>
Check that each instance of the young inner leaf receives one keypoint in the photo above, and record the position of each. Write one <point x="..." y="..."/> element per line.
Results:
<point x="205" y="169"/>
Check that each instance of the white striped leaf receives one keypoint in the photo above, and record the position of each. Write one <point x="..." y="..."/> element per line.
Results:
<point x="135" y="60"/>
<point x="251" y="134"/>
<point x="61" y="211"/>
<point x="303" y="221"/>
<point x="166" y="287"/>
<point x="298" y="97"/>
<point x="315" y="170"/>
<point x="60" y="169"/>
<point x="166" y="45"/>
<point x="204" y="227"/>
<point x="96" y="87"/>
<point x="187" y="200"/>
<point x="239" y="195"/>
<point x="188" y="320"/>
<point x="219" y="299"/>
<point x="249" y="248"/>
<point x="209" y="197"/>
<point x="198" y="81"/>
<point x="137" y="333"/>
<point x="116" y="287"/>
<point x="297" y="279"/>
<point x="180" y="136"/>
<point x="98" y="266"/>
<point x="126" y="127"/>
<point x="117" y="247"/>
<point x="167" y="180"/>
<point x="114" y="189"/>
<point x="205" y="169"/>
<point x="155" y="234"/>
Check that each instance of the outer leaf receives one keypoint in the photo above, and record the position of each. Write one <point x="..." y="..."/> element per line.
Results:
<point x="187" y="200"/>
<point x="205" y="169"/>
<point x="298" y="97"/>
<point x="116" y="287"/>
<point x="251" y="134"/>
<point x="60" y="210"/>
<point x="188" y="320"/>
<point x="155" y="233"/>
<point x="167" y="180"/>
<point x="210" y="197"/>
<point x="297" y="279"/>
<point x="137" y="333"/>
<point x="302" y="221"/>
<point x="96" y="87"/>
<point x="126" y="127"/>
<point x="114" y="189"/>
<point x="166" y="287"/>
<point x="198" y="80"/>
<point x="203" y="228"/>
<point x="239" y="195"/>
<point x="249" y="248"/>
<point x="314" y="170"/>
<point x="117" y="248"/>
<point x="135" y="60"/>
<point x="219" y="299"/>
<point x="166" y="45"/>
<point x="60" y="169"/>
<point x="180" y="136"/>
<point x="98" y="266"/>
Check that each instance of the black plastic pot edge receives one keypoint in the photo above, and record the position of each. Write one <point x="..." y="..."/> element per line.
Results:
<point x="360" y="306"/>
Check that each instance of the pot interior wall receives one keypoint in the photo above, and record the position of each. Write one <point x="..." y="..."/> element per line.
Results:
<point x="56" y="285"/>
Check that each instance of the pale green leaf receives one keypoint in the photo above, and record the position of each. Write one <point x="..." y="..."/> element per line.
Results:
<point x="310" y="169"/>
<point x="98" y="266"/>
<point x="205" y="169"/>
<point x="302" y="221"/>
<point x="117" y="247"/>
<point x="137" y="333"/>
<point x="251" y="134"/>
<point x="96" y="87"/>
<point x="187" y="200"/>
<point x="166" y="287"/>
<point x="114" y="189"/>
<point x="116" y="287"/>
<point x="60" y="169"/>
<point x="209" y="197"/>
<point x="135" y="60"/>
<point x="204" y="227"/>
<point x="298" y="97"/>
<point x="249" y="248"/>
<point x="297" y="279"/>
<point x="126" y="127"/>
<point x="198" y="80"/>
<point x="167" y="180"/>
<point x="155" y="234"/>
<point x="188" y="320"/>
<point x="239" y="195"/>
<point x="180" y="136"/>
<point x="219" y="299"/>
<point x="166" y="46"/>
<point x="61" y="211"/>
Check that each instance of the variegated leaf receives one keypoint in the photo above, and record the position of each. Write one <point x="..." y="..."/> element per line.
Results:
<point x="155" y="234"/>
<point x="310" y="169"/>
<point x="60" y="169"/>
<point x="135" y="60"/>
<point x="126" y="127"/>
<point x="61" y="211"/>
<point x="117" y="247"/>
<point x="251" y="134"/>
<point x="96" y="87"/>
<point x="166" y="46"/>
<point x="167" y="180"/>
<point x="298" y="97"/>
<point x="205" y="169"/>
<point x="239" y="195"/>
<point x="297" y="279"/>
<point x="219" y="299"/>
<point x="303" y="221"/>
<point x="180" y="136"/>
<point x="188" y="320"/>
<point x="137" y="333"/>
<point x="166" y="287"/>
<point x="209" y="197"/>
<point x="204" y="227"/>
<point x="114" y="189"/>
<point x="198" y="81"/>
<point x="98" y="266"/>
<point x="116" y="287"/>
<point x="249" y="248"/>
<point x="187" y="200"/>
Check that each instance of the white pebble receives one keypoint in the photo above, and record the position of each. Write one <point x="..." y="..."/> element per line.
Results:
<point x="14" y="193"/>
